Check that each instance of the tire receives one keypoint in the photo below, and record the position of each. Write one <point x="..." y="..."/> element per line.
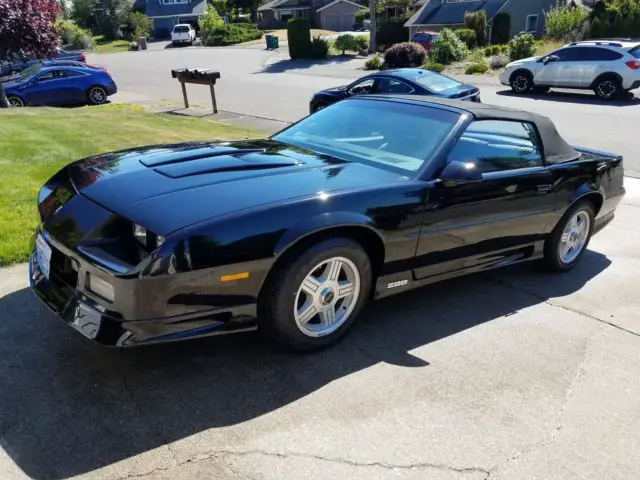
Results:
<point x="541" y="90"/>
<point x="97" y="96"/>
<point x="319" y="106"/>
<point x="15" y="102"/>
<point x="556" y="257"/>
<point x="608" y="88"/>
<point x="521" y="82"/>
<point x="300" y="320"/>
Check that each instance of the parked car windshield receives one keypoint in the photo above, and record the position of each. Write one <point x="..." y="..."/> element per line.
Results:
<point x="396" y="136"/>
<point x="181" y="29"/>
<point x="436" y="82"/>
<point x="29" y="72"/>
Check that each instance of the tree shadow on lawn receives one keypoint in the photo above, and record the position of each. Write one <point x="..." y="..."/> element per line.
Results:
<point x="282" y="66"/>
<point x="70" y="406"/>
<point x="584" y="98"/>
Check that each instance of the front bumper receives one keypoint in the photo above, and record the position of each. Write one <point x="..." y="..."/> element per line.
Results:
<point x="102" y="322"/>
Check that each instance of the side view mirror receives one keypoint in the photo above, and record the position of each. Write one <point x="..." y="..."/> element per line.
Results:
<point x="550" y="58"/>
<point x="457" y="173"/>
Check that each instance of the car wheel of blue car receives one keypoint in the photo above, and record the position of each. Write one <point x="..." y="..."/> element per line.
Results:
<point x="97" y="95"/>
<point x="15" y="102"/>
<point x="317" y="294"/>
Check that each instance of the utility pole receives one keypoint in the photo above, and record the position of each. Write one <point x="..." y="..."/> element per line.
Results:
<point x="372" y="26"/>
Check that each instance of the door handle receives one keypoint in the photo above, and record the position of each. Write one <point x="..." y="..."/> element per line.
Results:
<point x="544" y="188"/>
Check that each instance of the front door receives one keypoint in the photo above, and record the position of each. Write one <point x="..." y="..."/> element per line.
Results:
<point x="49" y="88"/>
<point x="562" y="71"/>
<point x="471" y="225"/>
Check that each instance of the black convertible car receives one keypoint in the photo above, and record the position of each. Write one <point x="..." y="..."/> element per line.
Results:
<point x="402" y="81"/>
<point x="370" y="197"/>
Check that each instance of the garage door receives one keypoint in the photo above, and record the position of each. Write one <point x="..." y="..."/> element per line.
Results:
<point x="333" y="22"/>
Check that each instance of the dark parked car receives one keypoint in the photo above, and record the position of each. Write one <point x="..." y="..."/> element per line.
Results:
<point x="370" y="197"/>
<point x="403" y="81"/>
<point x="425" y="39"/>
<point x="14" y="64"/>
<point x="60" y="86"/>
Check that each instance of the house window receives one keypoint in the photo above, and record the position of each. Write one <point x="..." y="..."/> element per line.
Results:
<point x="173" y="2"/>
<point x="532" y="23"/>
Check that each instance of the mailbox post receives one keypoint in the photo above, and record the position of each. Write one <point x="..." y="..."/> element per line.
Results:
<point x="196" y="76"/>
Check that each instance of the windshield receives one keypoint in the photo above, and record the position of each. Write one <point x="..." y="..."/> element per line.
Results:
<point x="395" y="136"/>
<point x="181" y="29"/>
<point x="436" y="82"/>
<point x="29" y="72"/>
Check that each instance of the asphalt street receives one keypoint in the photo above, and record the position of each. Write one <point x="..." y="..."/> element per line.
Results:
<point x="267" y="84"/>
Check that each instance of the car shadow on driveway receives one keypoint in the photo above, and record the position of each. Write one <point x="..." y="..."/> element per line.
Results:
<point x="285" y="65"/>
<point x="70" y="406"/>
<point x="585" y="98"/>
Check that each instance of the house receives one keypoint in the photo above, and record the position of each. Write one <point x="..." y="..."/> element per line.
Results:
<point x="526" y="15"/>
<point x="167" y="13"/>
<point x="336" y="15"/>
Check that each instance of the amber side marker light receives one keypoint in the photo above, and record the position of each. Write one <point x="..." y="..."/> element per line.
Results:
<point x="234" y="276"/>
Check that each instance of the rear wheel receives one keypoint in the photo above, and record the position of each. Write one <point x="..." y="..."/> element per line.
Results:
<point x="521" y="82"/>
<point x="97" y="96"/>
<point x="569" y="240"/>
<point x="15" y="102"/>
<point x="608" y="88"/>
<point x="315" y="297"/>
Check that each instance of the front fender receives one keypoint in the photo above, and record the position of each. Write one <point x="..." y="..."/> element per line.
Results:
<point x="324" y="221"/>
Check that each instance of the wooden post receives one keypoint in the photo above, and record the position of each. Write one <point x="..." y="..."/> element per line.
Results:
<point x="184" y="94"/>
<point x="213" y="98"/>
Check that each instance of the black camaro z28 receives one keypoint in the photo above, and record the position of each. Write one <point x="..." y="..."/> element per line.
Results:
<point x="369" y="197"/>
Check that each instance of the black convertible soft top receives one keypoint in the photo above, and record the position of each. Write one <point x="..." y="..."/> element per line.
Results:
<point x="556" y="149"/>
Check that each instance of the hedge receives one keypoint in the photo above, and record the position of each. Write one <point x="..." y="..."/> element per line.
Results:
<point x="298" y="37"/>
<point x="232" y="34"/>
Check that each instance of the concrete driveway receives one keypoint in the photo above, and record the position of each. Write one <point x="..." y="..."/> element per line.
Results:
<point x="517" y="374"/>
<point x="266" y="84"/>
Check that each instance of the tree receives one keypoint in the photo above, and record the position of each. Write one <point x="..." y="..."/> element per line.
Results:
<point x="82" y="12"/>
<point x="373" y="27"/>
<point x="113" y="17"/>
<point x="208" y="24"/>
<point x="27" y="30"/>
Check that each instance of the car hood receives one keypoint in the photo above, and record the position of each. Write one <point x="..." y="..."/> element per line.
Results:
<point x="523" y="61"/>
<point x="10" y="85"/>
<point x="168" y="187"/>
<point x="333" y="91"/>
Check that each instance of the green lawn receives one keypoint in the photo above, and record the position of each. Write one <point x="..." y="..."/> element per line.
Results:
<point x="100" y="45"/>
<point x="37" y="142"/>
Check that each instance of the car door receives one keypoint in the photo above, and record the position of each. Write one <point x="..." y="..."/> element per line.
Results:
<point x="362" y="87"/>
<point x="560" y="68"/>
<point x="73" y="87"/>
<point x="41" y="88"/>
<point x="392" y="86"/>
<point x="479" y="224"/>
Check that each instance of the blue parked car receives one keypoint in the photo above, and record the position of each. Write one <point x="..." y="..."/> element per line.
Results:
<point x="13" y="64"/>
<point x="60" y="85"/>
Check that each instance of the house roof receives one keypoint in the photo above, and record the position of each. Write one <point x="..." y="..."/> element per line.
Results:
<point x="155" y="8"/>
<point x="340" y="1"/>
<point x="276" y="4"/>
<point x="441" y="12"/>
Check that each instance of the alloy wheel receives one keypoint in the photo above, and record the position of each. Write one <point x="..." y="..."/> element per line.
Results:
<point x="15" y="102"/>
<point x="97" y="96"/>
<point x="327" y="297"/>
<point x="521" y="84"/>
<point x="607" y="89"/>
<point x="574" y="237"/>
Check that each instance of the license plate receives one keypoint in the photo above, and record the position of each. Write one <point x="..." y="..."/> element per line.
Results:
<point x="43" y="256"/>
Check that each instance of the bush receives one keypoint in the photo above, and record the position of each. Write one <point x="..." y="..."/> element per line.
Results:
<point x="477" y="21"/>
<point x="447" y="48"/>
<point x="75" y="36"/>
<point x="363" y="42"/>
<point x="563" y="20"/>
<point x="497" y="61"/>
<point x="346" y="42"/>
<point x="406" y="54"/>
<point x="521" y="46"/>
<point x="232" y="34"/>
<point x="468" y="36"/>
<point x="496" y="49"/>
<point x="374" y="63"/>
<point x="476" y="68"/>
<point x="299" y="37"/>
<point x="138" y="25"/>
<point x="477" y="56"/>
<point x="318" y="48"/>
<point x="488" y="51"/>
<point x="208" y="23"/>
<point x="597" y="28"/>
<point x="504" y="49"/>
<point x="434" y="67"/>
<point x="390" y="33"/>
<point x="501" y="30"/>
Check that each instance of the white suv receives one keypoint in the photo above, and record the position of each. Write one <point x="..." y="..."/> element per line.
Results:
<point x="183" y="33"/>
<point x="608" y="67"/>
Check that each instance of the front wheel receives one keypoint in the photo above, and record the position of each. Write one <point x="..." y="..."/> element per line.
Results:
<point x="521" y="82"/>
<point x="316" y="296"/>
<point x="569" y="240"/>
<point x="97" y="96"/>
<point x="15" y="102"/>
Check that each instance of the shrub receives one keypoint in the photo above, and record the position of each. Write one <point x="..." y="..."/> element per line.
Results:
<point x="318" y="48"/>
<point x="504" y="49"/>
<point x="477" y="21"/>
<point x="497" y="61"/>
<point x="138" y="25"/>
<point x="208" y="23"/>
<point x="501" y="30"/>
<point x="390" y="33"/>
<point x="406" y="54"/>
<point x="374" y="63"/>
<point x="232" y="34"/>
<point x="496" y="49"/>
<point x="476" y="68"/>
<point x="346" y="42"/>
<point x="299" y="37"/>
<point x="447" y="48"/>
<point x="363" y="42"/>
<point x="73" y="35"/>
<point x="521" y="46"/>
<point x="597" y="28"/>
<point x="434" y="67"/>
<point x="563" y="20"/>
<point x="468" y="36"/>
<point x="477" y="56"/>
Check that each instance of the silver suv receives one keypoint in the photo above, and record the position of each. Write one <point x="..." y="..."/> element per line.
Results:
<point x="608" y="67"/>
